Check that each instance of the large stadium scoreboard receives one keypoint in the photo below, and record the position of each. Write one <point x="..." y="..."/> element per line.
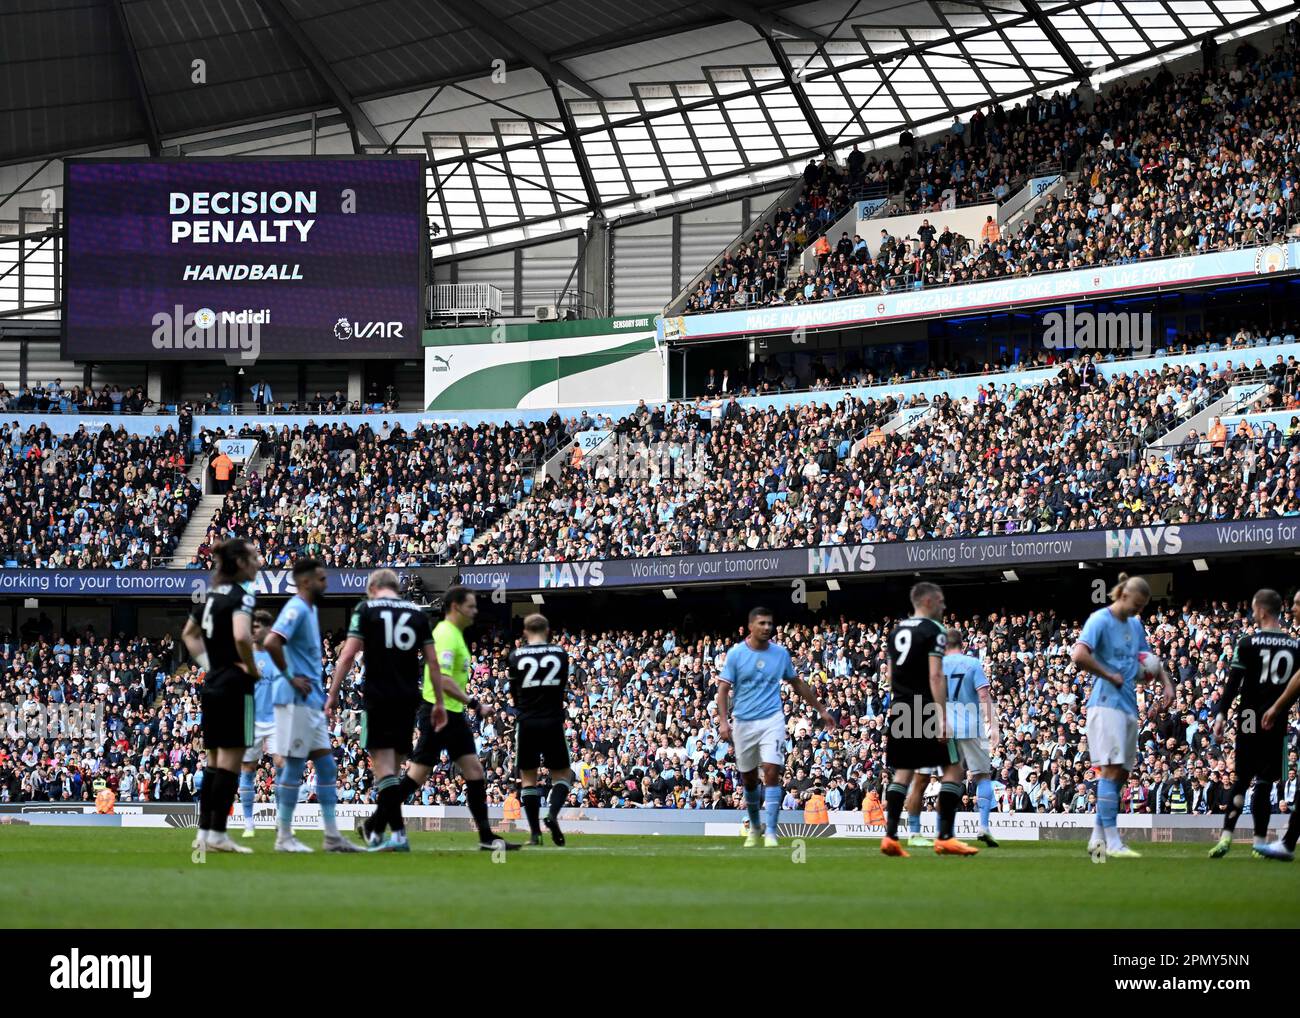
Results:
<point x="213" y="258"/>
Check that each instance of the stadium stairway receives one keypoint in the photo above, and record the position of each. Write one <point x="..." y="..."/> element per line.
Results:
<point x="196" y="530"/>
<point x="1028" y="211"/>
<point x="1231" y="402"/>
<point x="848" y="223"/>
<point x="785" y="199"/>
<point x="551" y="467"/>
<point x="209" y="505"/>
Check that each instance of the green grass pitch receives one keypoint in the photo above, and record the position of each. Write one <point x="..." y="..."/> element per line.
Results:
<point x="80" y="877"/>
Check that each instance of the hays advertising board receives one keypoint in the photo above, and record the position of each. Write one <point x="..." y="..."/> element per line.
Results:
<point x="236" y="259"/>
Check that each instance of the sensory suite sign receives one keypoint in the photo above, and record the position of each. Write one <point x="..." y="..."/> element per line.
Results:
<point x="238" y="259"/>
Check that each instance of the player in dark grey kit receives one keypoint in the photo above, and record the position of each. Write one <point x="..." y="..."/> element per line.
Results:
<point x="1264" y="662"/>
<point x="397" y="641"/>
<point x="539" y="680"/>
<point x="219" y="636"/>
<point x="1275" y="717"/>
<point x="917" y="735"/>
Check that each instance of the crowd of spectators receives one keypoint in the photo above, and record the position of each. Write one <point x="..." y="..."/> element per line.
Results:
<point x="56" y="398"/>
<point x="260" y="399"/>
<point x="682" y="478"/>
<point x="1073" y="453"/>
<point x="752" y="478"/>
<point x="1166" y="166"/>
<point x="93" y="499"/>
<point x="355" y="497"/>
<point x="641" y="716"/>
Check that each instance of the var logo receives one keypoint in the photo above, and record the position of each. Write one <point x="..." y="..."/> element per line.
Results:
<point x="76" y="971"/>
<point x="345" y="329"/>
<point x="1143" y="541"/>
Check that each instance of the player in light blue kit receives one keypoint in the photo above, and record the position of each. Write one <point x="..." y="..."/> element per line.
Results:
<point x="264" y="717"/>
<point x="754" y="669"/>
<point x="1108" y="648"/>
<point x="301" y="731"/>
<point x="972" y="722"/>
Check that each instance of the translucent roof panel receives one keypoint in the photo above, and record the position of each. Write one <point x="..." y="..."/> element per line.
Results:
<point x="862" y="75"/>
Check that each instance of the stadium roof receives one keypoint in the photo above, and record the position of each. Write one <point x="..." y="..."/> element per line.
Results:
<point x="536" y="113"/>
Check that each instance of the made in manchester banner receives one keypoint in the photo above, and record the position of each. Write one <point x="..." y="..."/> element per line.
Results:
<point x="1082" y="284"/>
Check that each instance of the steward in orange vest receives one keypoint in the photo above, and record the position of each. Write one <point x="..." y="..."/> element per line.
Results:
<point x="105" y="799"/>
<point x="814" y="810"/>
<point x="872" y="814"/>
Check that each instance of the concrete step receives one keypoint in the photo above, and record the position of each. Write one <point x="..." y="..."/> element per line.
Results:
<point x="197" y="528"/>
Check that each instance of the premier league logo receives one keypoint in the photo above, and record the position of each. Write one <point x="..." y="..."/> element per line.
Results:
<point x="342" y="330"/>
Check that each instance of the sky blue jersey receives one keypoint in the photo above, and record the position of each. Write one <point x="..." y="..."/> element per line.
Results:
<point x="300" y="627"/>
<point x="755" y="677"/>
<point x="1116" y="646"/>
<point x="264" y="691"/>
<point x="966" y="678"/>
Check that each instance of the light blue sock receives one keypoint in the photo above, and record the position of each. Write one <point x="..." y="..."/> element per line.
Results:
<point x="771" y="809"/>
<point x="914" y="823"/>
<point x="287" y="782"/>
<point x="984" y="797"/>
<point x="1107" y="803"/>
<point x="246" y="793"/>
<point x="327" y="792"/>
<point x="753" y="803"/>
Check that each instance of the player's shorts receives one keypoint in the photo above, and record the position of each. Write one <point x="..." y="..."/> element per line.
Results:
<point x="759" y="741"/>
<point x="227" y="720"/>
<point x="455" y="738"/>
<point x="263" y="734"/>
<point x="1261" y="754"/>
<point x="535" y="743"/>
<point x="389" y="725"/>
<point x="1112" y="737"/>
<point x="919" y="754"/>
<point x="975" y="755"/>
<point x="299" y="730"/>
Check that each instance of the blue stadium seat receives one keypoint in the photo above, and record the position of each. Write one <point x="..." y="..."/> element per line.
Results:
<point x="1275" y="341"/>
<point x="467" y="535"/>
<point x="1289" y="338"/>
<point x="1215" y="347"/>
<point x="776" y="496"/>
<point x="1201" y="348"/>
<point x="528" y="485"/>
